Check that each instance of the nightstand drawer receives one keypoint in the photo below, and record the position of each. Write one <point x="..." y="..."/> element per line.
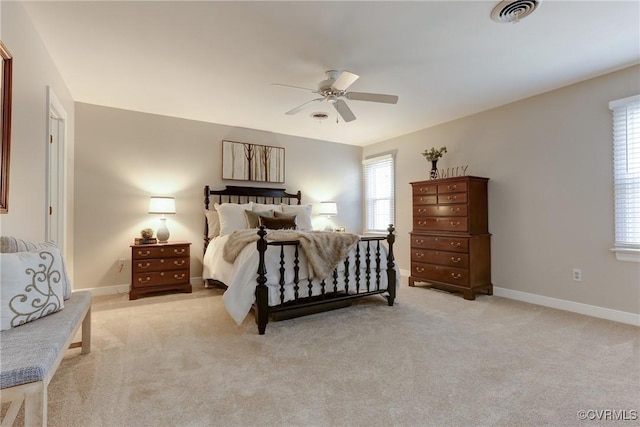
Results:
<point x="160" y="251"/>
<point x="160" y="278"/>
<point x="146" y="265"/>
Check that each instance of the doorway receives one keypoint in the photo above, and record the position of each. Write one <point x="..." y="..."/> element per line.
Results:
<point x="56" y="171"/>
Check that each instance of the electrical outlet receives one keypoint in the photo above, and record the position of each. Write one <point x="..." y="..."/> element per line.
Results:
<point x="577" y="275"/>
<point x="121" y="263"/>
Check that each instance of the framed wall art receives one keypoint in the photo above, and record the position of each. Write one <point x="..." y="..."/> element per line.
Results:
<point x="252" y="162"/>
<point x="5" y="124"/>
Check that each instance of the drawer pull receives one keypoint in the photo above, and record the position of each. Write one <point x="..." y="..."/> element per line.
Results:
<point x="455" y="210"/>
<point x="455" y="244"/>
<point x="421" y="210"/>
<point x="419" y="269"/>
<point x="454" y="259"/>
<point x="179" y="251"/>
<point x="179" y="262"/>
<point x="145" y="265"/>
<point x="422" y="189"/>
<point x="419" y="241"/>
<point x="182" y="276"/>
<point x="144" y="280"/>
<point x="419" y="255"/>
<point x="451" y="187"/>
<point x="455" y="224"/>
<point x="452" y="197"/>
<point x="456" y="275"/>
<point x="422" y="222"/>
<point x="144" y="253"/>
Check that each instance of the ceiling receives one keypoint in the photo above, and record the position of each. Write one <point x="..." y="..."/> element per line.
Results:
<point x="216" y="61"/>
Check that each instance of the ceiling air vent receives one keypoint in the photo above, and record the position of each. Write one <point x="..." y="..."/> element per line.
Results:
<point x="513" y="10"/>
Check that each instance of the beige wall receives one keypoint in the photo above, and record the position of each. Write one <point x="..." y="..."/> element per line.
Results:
<point x="550" y="190"/>
<point x="123" y="157"/>
<point x="33" y="72"/>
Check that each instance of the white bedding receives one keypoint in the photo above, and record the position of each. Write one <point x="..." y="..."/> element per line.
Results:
<point x="240" y="277"/>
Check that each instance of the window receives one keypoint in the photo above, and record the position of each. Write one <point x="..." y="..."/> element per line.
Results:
<point x="626" y="176"/>
<point x="379" y="193"/>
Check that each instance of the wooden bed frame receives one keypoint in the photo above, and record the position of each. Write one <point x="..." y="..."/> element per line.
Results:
<point x="329" y="298"/>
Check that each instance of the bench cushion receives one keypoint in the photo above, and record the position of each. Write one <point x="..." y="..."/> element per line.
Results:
<point x="27" y="352"/>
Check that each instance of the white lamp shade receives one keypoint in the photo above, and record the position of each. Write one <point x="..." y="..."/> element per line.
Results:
<point x="162" y="205"/>
<point x="328" y="209"/>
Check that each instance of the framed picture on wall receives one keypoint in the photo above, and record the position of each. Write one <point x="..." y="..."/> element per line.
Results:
<point x="252" y="162"/>
<point x="5" y="124"/>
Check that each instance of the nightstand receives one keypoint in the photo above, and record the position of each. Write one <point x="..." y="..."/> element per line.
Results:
<point x="159" y="267"/>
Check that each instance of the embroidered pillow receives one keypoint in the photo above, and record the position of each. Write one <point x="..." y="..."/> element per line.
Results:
<point x="303" y="215"/>
<point x="282" y="223"/>
<point x="9" y="244"/>
<point x="253" y="218"/>
<point x="32" y="286"/>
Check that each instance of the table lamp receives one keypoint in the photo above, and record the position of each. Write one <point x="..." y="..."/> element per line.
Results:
<point x="162" y="205"/>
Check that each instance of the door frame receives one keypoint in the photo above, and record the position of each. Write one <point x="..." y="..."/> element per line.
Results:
<point x="56" y="111"/>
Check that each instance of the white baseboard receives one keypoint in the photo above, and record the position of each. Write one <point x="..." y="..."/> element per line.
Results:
<point x="124" y="289"/>
<point x="574" y="307"/>
<point x="560" y="304"/>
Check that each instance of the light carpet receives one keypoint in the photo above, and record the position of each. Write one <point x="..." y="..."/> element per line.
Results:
<point x="434" y="359"/>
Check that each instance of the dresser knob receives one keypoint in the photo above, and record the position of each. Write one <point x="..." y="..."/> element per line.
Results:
<point x="179" y="251"/>
<point x="456" y="275"/>
<point x="146" y="279"/>
<point x="419" y="269"/>
<point x="455" y="210"/>
<point x="456" y="259"/>
<point x="419" y="255"/>
<point x="451" y="187"/>
<point x="455" y="244"/>
<point x="422" y="210"/>
<point x="144" y="253"/>
<point x="455" y="224"/>
<point x="179" y="262"/>
<point x="146" y="265"/>
<point x="451" y="198"/>
<point x="182" y="276"/>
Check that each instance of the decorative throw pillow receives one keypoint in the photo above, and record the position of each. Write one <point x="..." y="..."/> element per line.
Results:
<point x="32" y="286"/>
<point x="232" y="217"/>
<point x="282" y="223"/>
<point x="253" y="218"/>
<point x="303" y="215"/>
<point x="9" y="244"/>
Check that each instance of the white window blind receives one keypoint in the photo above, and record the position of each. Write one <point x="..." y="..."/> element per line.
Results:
<point x="626" y="175"/>
<point x="379" y="191"/>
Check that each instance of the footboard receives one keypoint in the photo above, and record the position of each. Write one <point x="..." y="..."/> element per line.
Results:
<point x="365" y="279"/>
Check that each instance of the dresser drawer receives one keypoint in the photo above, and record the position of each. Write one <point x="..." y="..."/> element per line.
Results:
<point x="449" y="198"/>
<point x="454" y="244"/>
<point x="425" y="200"/>
<point x="453" y="187"/>
<point x="159" y="278"/>
<point x="452" y="259"/>
<point x="425" y="188"/>
<point x="160" y="252"/>
<point x="164" y="264"/>
<point x="427" y="272"/>
<point x="420" y="211"/>
<point x="441" y="224"/>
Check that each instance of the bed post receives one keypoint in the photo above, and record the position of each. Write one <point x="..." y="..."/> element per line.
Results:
<point x="391" y="269"/>
<point x="262" y="293"/>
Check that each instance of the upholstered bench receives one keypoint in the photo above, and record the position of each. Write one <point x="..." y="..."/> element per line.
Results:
<point x="31" y="350"/>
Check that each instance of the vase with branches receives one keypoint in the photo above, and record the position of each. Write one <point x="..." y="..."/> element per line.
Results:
<point x="433" y="155"/>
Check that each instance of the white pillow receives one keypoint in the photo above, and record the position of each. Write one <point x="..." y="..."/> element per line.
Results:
<point x="303" y="215"/>
<point x="32" y="286"/>
<point x="232" y="217"/>
<point x="9" y="244"/>
<point x="260" y="207"/>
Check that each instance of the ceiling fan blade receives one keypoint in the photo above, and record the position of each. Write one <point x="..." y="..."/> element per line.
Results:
<point x="294" y="87"/>
<point x="344" y="80"/>
<point x="344" y="111"/>
<point x="372" y="97"/>
<point x="301" y="107"/>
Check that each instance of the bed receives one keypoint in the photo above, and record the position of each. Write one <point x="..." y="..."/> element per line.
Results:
<point x="279" y="272"/>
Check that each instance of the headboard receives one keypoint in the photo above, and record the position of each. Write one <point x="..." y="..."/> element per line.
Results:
<point x="236" y="194"/>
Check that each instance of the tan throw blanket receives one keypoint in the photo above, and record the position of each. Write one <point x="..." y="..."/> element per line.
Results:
<point x="324" y="250"/>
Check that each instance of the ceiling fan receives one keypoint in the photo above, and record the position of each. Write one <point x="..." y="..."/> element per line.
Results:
<point x="334" y="89"/>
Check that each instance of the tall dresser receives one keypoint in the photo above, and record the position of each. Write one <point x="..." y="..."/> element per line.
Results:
<point x="450" y="241"/>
